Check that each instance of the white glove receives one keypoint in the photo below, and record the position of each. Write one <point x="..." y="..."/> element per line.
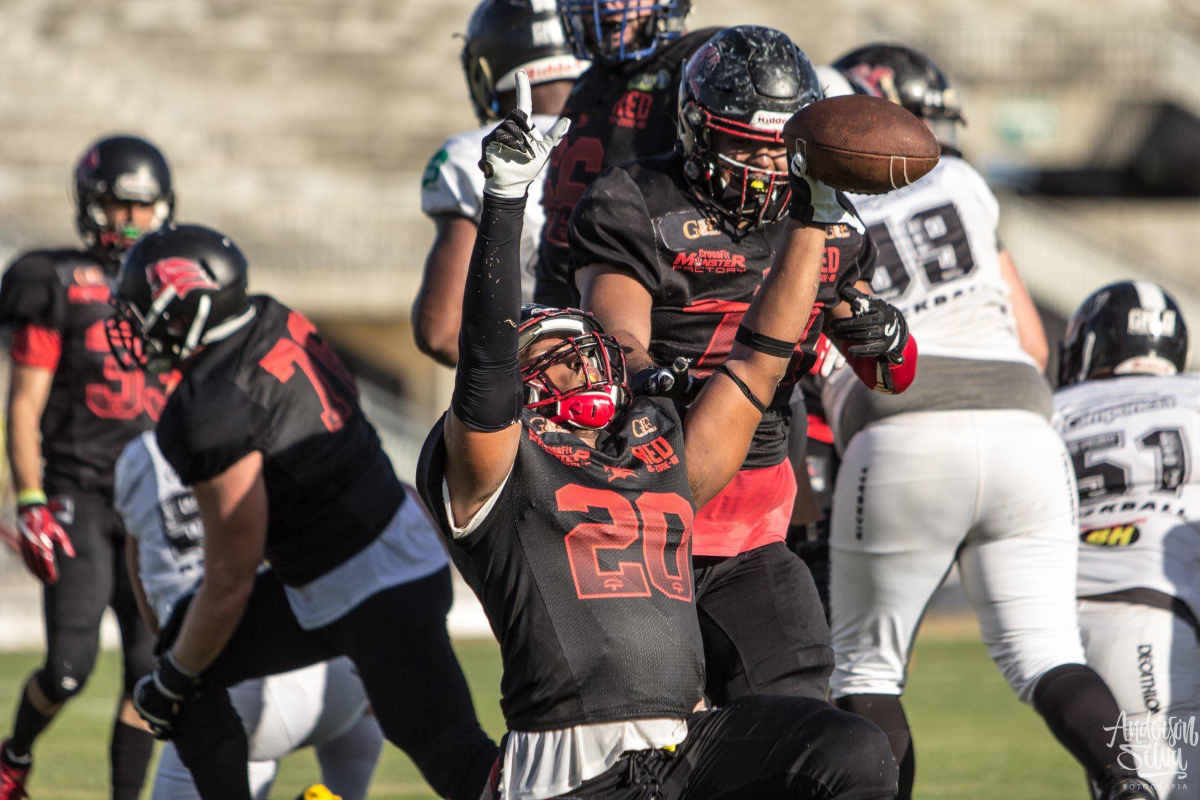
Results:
<point x="814" y="201"/>
<point x="515" y="152"/>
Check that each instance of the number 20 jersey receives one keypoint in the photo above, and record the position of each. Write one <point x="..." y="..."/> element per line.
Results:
<point x="57" y="302"/>
<point x="583" y="565"/>
<point x="276" y="387"/>
<point x="1134" y="441"/>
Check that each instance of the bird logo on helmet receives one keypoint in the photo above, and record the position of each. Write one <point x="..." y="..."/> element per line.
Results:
<point x="593" y="355"/>
<point x="745" y="82"/>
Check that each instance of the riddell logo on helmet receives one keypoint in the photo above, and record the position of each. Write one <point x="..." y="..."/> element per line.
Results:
<point x="180" y="275"/>
<point x="769" y="120"/>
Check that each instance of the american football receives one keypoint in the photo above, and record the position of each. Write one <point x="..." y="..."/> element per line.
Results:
<point x="599" y="400"/>
<point x="862" y="144"/>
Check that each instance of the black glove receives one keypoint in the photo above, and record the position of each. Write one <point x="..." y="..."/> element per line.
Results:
<point x="159" y="696"/>
<point x="674" y="382"/>
<point x="877" y="328"/>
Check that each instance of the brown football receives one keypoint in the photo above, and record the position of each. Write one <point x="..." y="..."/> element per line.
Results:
<point x="862" y="144"/>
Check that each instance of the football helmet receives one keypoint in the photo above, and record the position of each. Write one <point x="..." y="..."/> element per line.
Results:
<point x="746" y="82"/>
<point x="910" y="79"/>
<point x="122" y="169"/>
<point x="1125" y="328"/>
<point x="615" y="31"/>
<point x="180" y="287"/>
<point x="589" y="351"/>
<point x="504" y="36"/>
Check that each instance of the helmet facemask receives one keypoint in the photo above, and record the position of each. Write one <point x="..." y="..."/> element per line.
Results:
<point x="616" y="31"/>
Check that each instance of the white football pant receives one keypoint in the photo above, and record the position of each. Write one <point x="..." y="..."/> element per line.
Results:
<point x="993" y="491"/>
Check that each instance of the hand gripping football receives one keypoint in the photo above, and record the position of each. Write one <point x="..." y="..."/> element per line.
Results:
<point x="861" y="144"/>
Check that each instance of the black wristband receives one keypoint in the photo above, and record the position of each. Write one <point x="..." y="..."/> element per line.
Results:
<point x="761" y="343"/>
<point x="762" y="409"/>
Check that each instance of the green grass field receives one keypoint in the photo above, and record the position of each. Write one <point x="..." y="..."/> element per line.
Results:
<point x="974" y="740"/>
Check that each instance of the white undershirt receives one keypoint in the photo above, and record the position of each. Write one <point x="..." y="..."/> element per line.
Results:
<point x="544" y="764"/>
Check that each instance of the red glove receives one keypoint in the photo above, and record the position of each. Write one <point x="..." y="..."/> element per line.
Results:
<point x="40" y="532"/>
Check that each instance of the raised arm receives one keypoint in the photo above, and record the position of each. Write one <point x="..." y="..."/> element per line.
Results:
<point x="481" y="428"/>
<point x="721" y="421"/>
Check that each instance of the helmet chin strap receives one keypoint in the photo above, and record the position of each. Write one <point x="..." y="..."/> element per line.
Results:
<point x="586" y="410"/>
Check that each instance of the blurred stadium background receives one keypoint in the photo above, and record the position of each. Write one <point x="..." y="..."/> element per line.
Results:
<point x="302" y="127"/>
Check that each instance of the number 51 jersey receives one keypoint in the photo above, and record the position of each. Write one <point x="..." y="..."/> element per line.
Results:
<point x="58" y="301"/>
<point x="1134" y="443"/>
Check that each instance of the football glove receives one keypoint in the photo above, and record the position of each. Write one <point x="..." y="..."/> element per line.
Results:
<point x="875" y="328"/>
<point x="159" y="696"/>
<point x="515" y="151"/>
<point x="674" y="382"/>
<point x="39" y="533"/>
<point x="816" y="202"/>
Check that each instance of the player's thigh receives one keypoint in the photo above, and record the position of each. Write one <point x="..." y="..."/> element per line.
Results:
<point x="903" y="503"/>
<point x="1018" y="565"/>
<point x="776" y="747"/>
<point x="763" y="627"/>
<point x="303" y="708"/>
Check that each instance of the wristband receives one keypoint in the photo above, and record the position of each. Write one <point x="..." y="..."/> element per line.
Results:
<point x="761" y="343"/>
<point x="31" y="497"/>
<point x="762" y="409"/>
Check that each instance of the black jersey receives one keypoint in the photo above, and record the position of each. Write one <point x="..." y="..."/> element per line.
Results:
<point x="275" y="386"/>
<point x="617" y="114"/>
<point x="58" y="302"/>
<point x="583" y="566"/>
<point x="702" y="274"/>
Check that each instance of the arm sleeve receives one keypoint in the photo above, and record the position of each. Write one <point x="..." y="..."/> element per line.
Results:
<point x="32" y="294"/>
<point x="488" y="395"/>
<point x="202" y="436"/>
<point x="611" y="225"/>
<point x="36" y="346"/>
<point x="452" y="184"/>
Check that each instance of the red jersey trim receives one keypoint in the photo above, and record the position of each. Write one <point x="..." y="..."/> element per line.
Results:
<point x="819" y="430"/>
<point x="754" y="510"/>
<point x="36" y="346"/>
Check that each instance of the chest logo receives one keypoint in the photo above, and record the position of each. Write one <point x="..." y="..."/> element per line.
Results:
<point x="179" y="276"/>
<point x="618" y="472"/>
<point x="717" y="262"/>
<point x="658" y="455"/>
<point x="1111" y="536"/>
<point x="697" y="228"/>
<point x="643" y="427"/>
<point x="632" y="110"/>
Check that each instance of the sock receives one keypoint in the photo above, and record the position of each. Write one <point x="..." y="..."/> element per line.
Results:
<point x="131" y="751"/>
<point x="887" y="713"/>
<point x="29" y="725"/>
<point x="1077" y="705"/>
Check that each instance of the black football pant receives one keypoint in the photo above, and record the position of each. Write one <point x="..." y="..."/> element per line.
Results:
<point x="398" y="641"/>
<point x="93" y="580"/>
<point x="759" y="748"/>
<point x="763" y="627"/>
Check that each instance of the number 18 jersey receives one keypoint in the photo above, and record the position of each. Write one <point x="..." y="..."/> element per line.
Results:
<point x="1134" y="441"/>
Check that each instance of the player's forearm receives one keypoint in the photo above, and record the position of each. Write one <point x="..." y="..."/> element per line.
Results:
<point x="636" y="356"/>
<point x="24" y="443"/>
<point x="212" y="617"/>
<point x="133" y="568"/>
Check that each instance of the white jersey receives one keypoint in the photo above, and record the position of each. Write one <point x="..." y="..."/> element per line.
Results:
<point x="938" y="263"/>
<point x="453" y="184"/>
<point x="162" y="516"/>
<point x="1132" y="441"/>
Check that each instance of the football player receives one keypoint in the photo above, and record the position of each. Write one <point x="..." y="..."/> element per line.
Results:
<point x="323" y="706"/>
<point x="568" y="507"/>
<point x="669" y="252"/>
<point x="1131" y="420"/>
<point x="266" y="428"/>
<point x="502" y="37"/>
<point x="963" y="468"/>
<point x="71" y="409"/>
<point x="624" y="107"/>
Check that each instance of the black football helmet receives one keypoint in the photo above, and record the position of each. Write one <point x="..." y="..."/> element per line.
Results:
<point x="123" y="169"/>
<point x="504" y="36"/>
<point x="1125" y="328"/>
<point x="597" y="356"/>
<point x="747" y="82"/>
<point x="910" y="79"/>
<point x="180" y="287"/>
<point x="616" y="31"/>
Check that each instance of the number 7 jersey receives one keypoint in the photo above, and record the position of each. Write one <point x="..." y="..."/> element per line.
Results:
<point x="1134" y="442"/>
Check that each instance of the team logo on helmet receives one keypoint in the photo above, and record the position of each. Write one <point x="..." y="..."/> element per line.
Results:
<point x="879" y="79"/>
<point x="181" y="276"/>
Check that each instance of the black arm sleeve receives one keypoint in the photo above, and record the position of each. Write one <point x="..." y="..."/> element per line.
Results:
<point x="487" y="385"/>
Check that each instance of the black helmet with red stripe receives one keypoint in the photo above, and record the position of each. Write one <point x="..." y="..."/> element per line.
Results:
<point x="179" y="288"/>
<point x="594" y="357"/>
<point x="746" y="82"/>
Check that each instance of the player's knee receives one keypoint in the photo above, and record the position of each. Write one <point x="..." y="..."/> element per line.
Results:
<point x="60" y="679"/>
<point x="1024" y="674"/>
<point x="850" y="756"/>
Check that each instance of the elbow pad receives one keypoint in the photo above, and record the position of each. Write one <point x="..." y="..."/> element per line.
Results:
<point x="885" y="375"/>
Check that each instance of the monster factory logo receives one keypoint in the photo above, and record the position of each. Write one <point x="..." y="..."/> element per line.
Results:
<point x="571" y="456"/>
<point x="719" y="262"/>
<point x="1111" y="536"/>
